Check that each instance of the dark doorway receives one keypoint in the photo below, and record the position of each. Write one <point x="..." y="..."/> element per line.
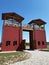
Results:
<point x="30" y="42"/>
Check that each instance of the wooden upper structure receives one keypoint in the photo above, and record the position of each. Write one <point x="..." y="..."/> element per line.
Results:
<point x="38" y="22"/>
<point x="6" y="16"/>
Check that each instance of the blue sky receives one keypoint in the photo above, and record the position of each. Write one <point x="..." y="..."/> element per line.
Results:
<point x="29" y="9"/>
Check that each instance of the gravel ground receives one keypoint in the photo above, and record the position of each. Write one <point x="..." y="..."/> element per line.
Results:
<point x="37" y="58"/>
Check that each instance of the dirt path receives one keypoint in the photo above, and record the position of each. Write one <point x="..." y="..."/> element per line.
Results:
<point x="37" y="58"/>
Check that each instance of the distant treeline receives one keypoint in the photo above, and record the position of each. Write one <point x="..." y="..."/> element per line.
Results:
<point x="27" y="43"/>
<point x="47" y="42"/>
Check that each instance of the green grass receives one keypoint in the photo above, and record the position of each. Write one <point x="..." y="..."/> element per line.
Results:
<point x="7" y="58"/>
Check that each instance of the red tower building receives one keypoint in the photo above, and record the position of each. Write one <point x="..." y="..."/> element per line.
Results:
<point x="12" y="31"/>
<point x="38" y="35"/>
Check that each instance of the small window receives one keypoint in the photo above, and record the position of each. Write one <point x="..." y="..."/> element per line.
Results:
<point x="38" y="42"/>
<point x="7" y="43"/>
<point x="14" y="43"/>
<point x="42" y="42"/>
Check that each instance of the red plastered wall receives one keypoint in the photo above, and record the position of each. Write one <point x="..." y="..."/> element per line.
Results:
<point x="40" y="35"/>
<point x="11" y="34"/>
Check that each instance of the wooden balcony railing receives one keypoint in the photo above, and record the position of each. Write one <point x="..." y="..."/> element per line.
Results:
<point x="28" y="27"/>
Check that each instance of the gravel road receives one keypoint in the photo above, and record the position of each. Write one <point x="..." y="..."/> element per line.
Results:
<point x="37" y="58"/>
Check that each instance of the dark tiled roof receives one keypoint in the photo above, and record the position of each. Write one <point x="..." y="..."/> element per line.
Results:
<point x="37" y="21"/>
<point x="6" y="16"/>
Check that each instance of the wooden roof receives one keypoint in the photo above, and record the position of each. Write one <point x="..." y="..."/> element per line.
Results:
<point x="37" y="21"/>
<point x="6" y="16"/>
